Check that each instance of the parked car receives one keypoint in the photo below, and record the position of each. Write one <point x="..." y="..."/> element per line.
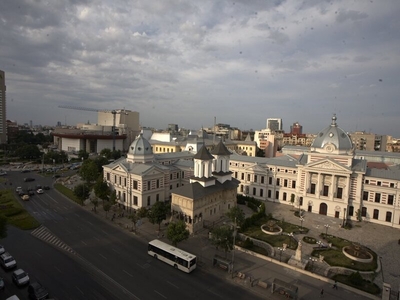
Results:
<point x="39" y="191"/>
<point x="3" y="173"/>
<point x="37" y="291"/>
<point x="7" y="261"/>
<point x="25" y="197"/>
<point x="31" y="193"/>
<point x="20" y="277"/>
<point x="27" y="179"/>
<point x="18" y="189"/>
<point x="46" y="187"/>
<point x="25" y="171"/>
<point x="2" y="250"/>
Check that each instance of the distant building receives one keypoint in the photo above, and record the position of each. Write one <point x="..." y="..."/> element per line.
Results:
<point x="369" y="141"/>
<point x="296" y="128"/>
<point x="3" y="117"/>
<point x="274" y="124"/>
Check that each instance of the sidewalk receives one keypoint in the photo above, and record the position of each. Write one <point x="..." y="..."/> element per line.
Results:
<point x="254" y="268"/>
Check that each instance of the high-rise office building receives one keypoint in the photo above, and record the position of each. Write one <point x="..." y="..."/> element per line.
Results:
<point x="274" y="124"/>
<point x="3" y="118"/>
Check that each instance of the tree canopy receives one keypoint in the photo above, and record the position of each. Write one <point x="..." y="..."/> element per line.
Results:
<point x="81" y="191"/>
<point x="222" y="237"/>
<point x="101" y="189"/>
<point x="157" y="213"/>
<point x="177" y="232"/>
<point x="28" y="151"/>
<point x="236" y="215"/>
<point x="89" y="171"/>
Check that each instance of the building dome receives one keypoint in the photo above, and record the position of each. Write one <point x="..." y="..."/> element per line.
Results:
<point x="140" y="150"/>
<point x="332" y="139"/>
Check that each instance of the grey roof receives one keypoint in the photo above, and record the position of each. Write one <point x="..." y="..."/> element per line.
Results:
<point x="203" y="154"/>
<point x="390" y="173"/>
<point x="359" y="165"/>
<point x="197" y="191"/>
<point x="284" y="160"/>
<point x="140" y="146"/>
<point x="333" y="135"/>
<point x="220" y="149"/>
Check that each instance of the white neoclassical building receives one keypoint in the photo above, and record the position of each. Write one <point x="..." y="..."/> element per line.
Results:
<point x="328" y="179"/>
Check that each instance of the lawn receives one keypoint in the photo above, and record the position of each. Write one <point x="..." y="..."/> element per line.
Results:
<point x="14" y="212"/>
<point x="67" y="192"/>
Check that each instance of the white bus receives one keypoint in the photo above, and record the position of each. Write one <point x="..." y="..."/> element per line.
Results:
<point x="178" y="258"/>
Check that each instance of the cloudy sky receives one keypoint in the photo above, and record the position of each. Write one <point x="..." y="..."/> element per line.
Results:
<point x="186" y="62"/>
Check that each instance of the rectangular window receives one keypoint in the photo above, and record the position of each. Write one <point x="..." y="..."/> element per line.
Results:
<point x="157" y="197"/>
<point x="135" y="185"/>
<point x="148" y="185"/>
<point x="262" y="179"/>
<point x="377" y="197"/>
<point x="183" y="174"/>
<point x="269" y="193"/>
<point x="177" y="175"/>
<point x="376" y="214"/>
<point x="284" y="197"/>
<point x="242" y="176"/>
<point x="241" y="188"/>
<point x="248" y="177"/>
<point x="124" y="181"/>
<point x="351" y="211"/>
<point x="339" y="193"/>
<point x="312" y="188"/>
<point x="261" y="192"/>
<point x="254" y="191"/>
<point x="379" y="183"/>
<point x="148" y="200"/>
<point x="255" y="178"/>
<point x="235" y="174"/>
<point x="285" y="183"/>
<point x="120" y="180"/>
<point x="392" y="185"/>
<point x="388" y="216"/>
<point x="135" y="200"/>
<point x="158" y="183"/>
<point x="170" y="176"/>
<point x="170" y="187"/>
<point x="364" y="212"/>
<point x="278" y="181"/>
<point x="390" y="199"/>
<point x="365" y="195"/>
<point x="293" y="184"/>
<point x="269" y="180"/>
<point x="326" y="190"/>
<point x="108" y="176"/>
<point x="277" y="195"/>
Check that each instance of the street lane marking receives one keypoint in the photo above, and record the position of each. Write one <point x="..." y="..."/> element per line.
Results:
<point x="58" y="269"/>
<point x="77" y="215"/>
<point x="38" y="254"/>
<point x="97" y="238"/>
<point x="104" y="231"/>
<point x="115" y="251"/>
<point x="172" y="284"/>
<point x="84" y="243"/>
<point x="215" y="293"/>
<point x="80" y="290"/>
<point x="103" y="256"/>
<point x="160" y="294"/>
<point x="90" y="223"/>
<point x="127" y="273"/>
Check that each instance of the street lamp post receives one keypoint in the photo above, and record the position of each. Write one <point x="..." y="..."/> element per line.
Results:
<point x="280" y="253"/>
<point x="301" y="223"/>
<point x="290" y="239"/>
<point x="344" y="217"/>
<point x="380" y="260"/>
<point x="312" y="263"/>
<point x="326" y="230"/>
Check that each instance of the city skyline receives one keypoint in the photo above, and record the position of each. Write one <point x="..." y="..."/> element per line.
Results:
<point x="186" y="63"/>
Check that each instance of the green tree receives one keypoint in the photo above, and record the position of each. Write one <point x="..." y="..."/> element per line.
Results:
<point x="95" y="203"/>
<point x="222" y="237"/>
<point x="142" y="212"/>
<point x="106" y="207"/>
<point x="100" y="162"/>
<point x="101" y="189"/>
<point x="82" y="191"/>
<point x="113" y="197"/>
<point x="236" y="215"/>
<point x="89" y="171"/>
<point x="3" y="226"/>
<point x="28" y="151"/>
<point x="106" y="153"/>
<point x="157" y="213"/>
<point x="83" y="154"/>
<point x="177" y="232"/>
<point x="134" y="218"/>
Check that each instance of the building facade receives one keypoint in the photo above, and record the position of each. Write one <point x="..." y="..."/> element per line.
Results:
<point x="3" y="117"/>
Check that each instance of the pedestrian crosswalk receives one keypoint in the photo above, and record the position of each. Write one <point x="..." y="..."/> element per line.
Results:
<point x="44" y="234"/>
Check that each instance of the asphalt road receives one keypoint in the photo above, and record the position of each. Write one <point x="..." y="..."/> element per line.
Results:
<point x="106" y="256"/>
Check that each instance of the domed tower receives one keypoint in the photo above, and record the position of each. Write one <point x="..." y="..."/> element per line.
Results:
<point x="333" y="140"/>
<point x="140" y="151"/>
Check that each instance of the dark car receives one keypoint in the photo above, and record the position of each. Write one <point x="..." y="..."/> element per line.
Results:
<point x="25" y="171"/>
<point x="37" y="291"/>
<point x="31" y="193"/>
<point x="46" y="187"/>
<point x="27" y="179"/>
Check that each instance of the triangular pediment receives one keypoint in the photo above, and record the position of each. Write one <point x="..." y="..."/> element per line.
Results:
<point x="152" y="171"/>
<point x="256" y="169"/>
<point x="327" y="164"/>
<point x="119" y="168"/>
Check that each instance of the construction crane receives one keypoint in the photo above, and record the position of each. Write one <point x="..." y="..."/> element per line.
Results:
<point x="113" y="112"/>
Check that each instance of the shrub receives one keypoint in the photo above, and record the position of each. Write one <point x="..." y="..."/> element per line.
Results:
<point x="248" y="244"/>
<point x="356" y="279"/>
<point x="13" y="211"/>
